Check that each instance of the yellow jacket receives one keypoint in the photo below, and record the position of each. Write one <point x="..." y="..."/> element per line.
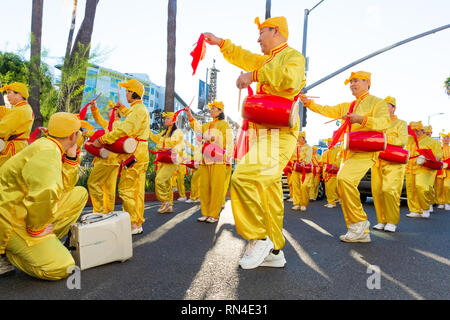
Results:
<point x="217" y="132"/>
<point x="302" y="153"/>
<point x="397" y="133"/>
<point x="174" y="142"/>
<point x="136" y="125"/>
<point x="425" y="142"/>
<point x="280" y="73"/>
<point x="30" y="188"/>
<point x="446" y="155"/>
<point x="373" y="109"/>
<point x="16" y="121"/>
<point x="331" y="156"/>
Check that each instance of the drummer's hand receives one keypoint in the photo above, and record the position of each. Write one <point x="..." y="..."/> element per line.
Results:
<point x="188" y="112"/>
<point x="118" y="105"/>
<point x="96" y="144"/>
<point x="72" y="151"/>
<point x="48" y="229"/>
<point x="211" y="39"/>
<point x="305" y="101"/>
<point x="354" y="118"/>
<point x="94" y="104"/>
<point x="244" y="80"/>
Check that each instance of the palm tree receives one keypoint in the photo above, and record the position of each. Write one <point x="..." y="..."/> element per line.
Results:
<point x="268" y="6"/>
<point x="169" y="99"/>
<point x="35" y="62"/>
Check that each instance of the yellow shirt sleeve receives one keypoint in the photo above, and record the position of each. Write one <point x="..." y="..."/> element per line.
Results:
<point x="98" y="118"/>
<point x="241" y="58"/>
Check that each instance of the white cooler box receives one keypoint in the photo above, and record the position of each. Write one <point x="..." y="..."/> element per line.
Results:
<point x="101" y="238"/>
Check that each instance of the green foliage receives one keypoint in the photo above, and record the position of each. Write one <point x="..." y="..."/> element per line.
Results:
<point x="447" y="85"/>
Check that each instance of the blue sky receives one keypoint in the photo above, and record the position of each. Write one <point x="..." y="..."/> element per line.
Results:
<point x="339" y="32"/>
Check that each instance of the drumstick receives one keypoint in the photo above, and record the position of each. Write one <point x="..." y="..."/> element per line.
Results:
<point x="239" y="101"/>
<point x="312" y="97"/>
<point x="334" y="120"/>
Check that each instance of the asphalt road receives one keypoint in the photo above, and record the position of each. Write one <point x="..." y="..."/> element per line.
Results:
<point x="178" y="258"/>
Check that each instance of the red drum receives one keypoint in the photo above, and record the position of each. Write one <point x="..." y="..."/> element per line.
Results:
<point x="2" y="145"/>
<point x="270" y="110"/>
<point x="192" y="164"/>
<point x="123" y="145"/>
<point x="430" y="164"/>
<point x="395" y="154"/>
<point x="213" y="152"/>
<point x="166" y="156"/>
<point x="365" y="141"/>
<point x="299" y="167"/>
<point x="98" y="152"/>
<point x="329" y="168"/>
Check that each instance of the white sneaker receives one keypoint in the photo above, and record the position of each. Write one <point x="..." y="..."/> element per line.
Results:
<point x="414" y="215"/>
<point x="390" y="227"/>
<point x="447" y="207"/>
<point x="302" y="208"/>
<point x="330" y="206"/>
<point x="441" y="206"/>
<point x="6" y="268"/>
<point x="350" y="237"/>
<point x="357" y="232"/>
<point x="296" y="208"/>
<point x="189" y="201"/>
<point x="274" y="260"/>
<point x="255" y="253"/>
<point x="379" y="226"/>
<point x="290" y="200"/>
<point x="195" y="201"/>
<point x="181" y="199"/>
<point x="137" y="231"/>
<point x="425" y="214"/>
<point x="431" y="208"/>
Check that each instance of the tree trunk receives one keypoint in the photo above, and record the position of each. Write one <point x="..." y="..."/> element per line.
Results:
<point x="77" y="60"/>
<point x="72" y="29"/>
<point x="169" y="99"/>
<point x="35" y="62"/>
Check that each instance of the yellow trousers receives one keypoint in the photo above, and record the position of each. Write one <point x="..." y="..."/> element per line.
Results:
<point x="314" y="189"/>
<point x="181" y="172"/>
<point x="301" y="190"/>
<point x="289" y="181"/>
<point x="212" y="184"/>
<point x="229" y="169"/>
<point x="195" y="185"/>
<point x="442" y="187"/>
<point x="387" y="184"/>
<point x="102" y="183"/>
<point x="48" y="259"/>
<point x="256" y="190"/>
<point x="331" y="188"/>
<point x="419" y="189"/>
<point x="350" y="174"/>
<point x="132" y="191"/>
<point x="163" y="181"/>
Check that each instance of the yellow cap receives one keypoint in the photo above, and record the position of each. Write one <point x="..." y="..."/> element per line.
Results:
<point x="327" y="140"/>
<point x="168" y="114"/>
<point x="428" y="129"/>
<point x="63" y="124"/>
<point x="445" y="135"/>
<point x="416" y="125"/>
<point x="275" y="22"/>
<point x="390" y="100"/>
<point x="133" y="85"/>
<point x="302" y="134"/>
<point x="217" y="104"/>
<point x="17" y="87"/>
<point x="315" y="147"/>
<point x="358" y="75"/>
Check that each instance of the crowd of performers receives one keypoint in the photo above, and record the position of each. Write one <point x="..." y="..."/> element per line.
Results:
<point x="39" y="200"/>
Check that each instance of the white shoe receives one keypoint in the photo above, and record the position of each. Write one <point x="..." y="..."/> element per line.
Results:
<point x="379" y="226"/>
<point x="350" y="237"/>
<point x="390" y="227"/>
<point x="195" y="201"/>
<point x="441" y="206"/>
<point x="6" y="268"/>
<point x="414" y="215"/>
<point x="447" y="207"/>
<point x="274" y="260"/>
<point x="165" y="208"/>
<point x="255" y="253"/>
<point x="302" y="208"/>
<point x="137" y="231"/>
<point x="189" y="201"/>
<point x="181" y="199"/>
<point x="290" y="200"/>
<point x="175" y="189"/>
<point x="357" y="232"/>
<point x="296" y="208"/>
<point x="431" y="208"/>
<point x="425" y="214"/>
<point x="330" y="206"/>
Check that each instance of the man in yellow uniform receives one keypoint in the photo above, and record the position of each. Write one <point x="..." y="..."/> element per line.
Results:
<point x="171" y="138"/>
<point x="330" y="157"/>
<point x="387" y="177"/>
<point x="420" y="179"/>
<point x="102" y="180"/>
<point x="366" y="113"/>
<point x="442" y="184"/>
<point x="301" y="181"/>
<point x="256" y="190"/>
<point x="315" y="180"/>
<point x="39" y="201"/>
<point x="132" y="180"/>
<point x="213" y="170"/>
<point x="16" y="123"/>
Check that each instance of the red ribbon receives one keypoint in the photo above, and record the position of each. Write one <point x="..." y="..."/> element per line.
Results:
<point x="198" y="53"/>
<point x="346" y="125"/>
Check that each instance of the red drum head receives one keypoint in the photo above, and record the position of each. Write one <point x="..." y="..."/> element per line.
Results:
<point x="104" y="153"/>
<point x="130" y="145"/>
<point x="123" y="145"/>
<point x="2" y="145"/>
<point x="269" y="110"/>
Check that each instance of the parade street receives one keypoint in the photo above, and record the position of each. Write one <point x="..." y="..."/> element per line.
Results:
<point x="179" y="258"/>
